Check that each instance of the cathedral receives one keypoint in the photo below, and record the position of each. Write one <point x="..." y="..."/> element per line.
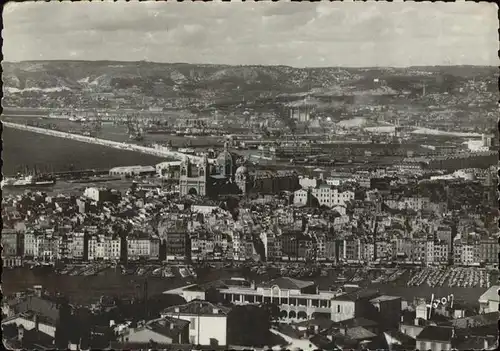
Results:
<point x="223" y="178"/>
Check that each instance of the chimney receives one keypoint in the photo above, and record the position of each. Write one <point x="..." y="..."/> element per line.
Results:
<point x="215" y="311"/>
<point x="38" y="290"/>
<point x="177" y="310"/>
<point x="172" y="326"/>
<point x="37" y="324"/>
<point x="20" y="332"/>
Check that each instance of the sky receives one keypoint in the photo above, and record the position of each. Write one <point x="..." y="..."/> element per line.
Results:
<point x="352" y="34"/>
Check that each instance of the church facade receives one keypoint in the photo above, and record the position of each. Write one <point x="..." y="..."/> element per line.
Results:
<point x="223" y="178"/>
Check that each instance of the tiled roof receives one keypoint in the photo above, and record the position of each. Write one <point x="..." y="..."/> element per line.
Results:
<point x="288" y="283"/>
<point x="357" y="322"/>
<point x="322" y="342"/>
<point x="360" y="333"/>
<point x="198" y="307"/>
<point x="401" y="337"/>
<point x="168" y="326"/>
<point x="477" y="320"/>
<point x="357" y="295"/>
<point x="435" y="333"/>
<point x="384" y="298"/>
<point x="40" y="305"/>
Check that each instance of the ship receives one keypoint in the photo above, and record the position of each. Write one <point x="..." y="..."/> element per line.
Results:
<point x="28" y="181"/>
<point x="60" y="115"/>
<point x="153" y="130"/>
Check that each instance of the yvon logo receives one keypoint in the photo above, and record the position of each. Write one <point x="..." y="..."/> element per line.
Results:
<point x="444" y="301"/>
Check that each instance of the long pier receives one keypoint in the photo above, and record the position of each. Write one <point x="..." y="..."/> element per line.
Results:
<point x="160" y="152"/>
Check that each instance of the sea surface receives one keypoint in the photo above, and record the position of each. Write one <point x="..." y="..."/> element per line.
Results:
<point x="86" y="289"/>
<point x="23" y="148"/>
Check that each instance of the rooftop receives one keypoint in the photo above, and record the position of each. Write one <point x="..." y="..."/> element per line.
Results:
<point x="435" y="333"/>
<point x="384" y="298"/>
<point x="287" y="283"/>
<point x="167" y="326"/>
<point x="360" y="333"/>
<point x="357" y="295"/>
<point x="491" y="294"/>
<point x="197" y="307"/>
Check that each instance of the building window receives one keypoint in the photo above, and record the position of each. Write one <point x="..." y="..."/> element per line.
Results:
<point x="192" y="324"/>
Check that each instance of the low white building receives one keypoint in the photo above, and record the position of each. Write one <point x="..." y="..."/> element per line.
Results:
<point x="207" y="322"/>
<point x="488" y="302"/>
<point x="298" y="300"/>
<point x="130" y="171"/>
<point x="31" y="321"/>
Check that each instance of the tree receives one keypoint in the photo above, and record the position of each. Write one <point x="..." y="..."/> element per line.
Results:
<point x="273" y="311"/>
<point x="212" y="295"/>
<point x="239" y="320"/>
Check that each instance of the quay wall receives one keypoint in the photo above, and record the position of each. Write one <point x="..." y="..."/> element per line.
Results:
<point x="114" y="144"/>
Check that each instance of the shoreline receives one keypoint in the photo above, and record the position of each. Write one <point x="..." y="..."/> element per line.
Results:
<point x="103" y="142"/>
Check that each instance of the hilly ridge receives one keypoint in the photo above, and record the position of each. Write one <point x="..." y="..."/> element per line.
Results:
<point x="205" y="81"/>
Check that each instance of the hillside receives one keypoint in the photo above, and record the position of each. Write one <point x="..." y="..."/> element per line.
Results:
<point x="219" y="82"/>
<point x="139" y="85"/>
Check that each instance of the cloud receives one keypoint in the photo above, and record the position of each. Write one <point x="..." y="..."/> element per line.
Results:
<point x="314" y="34"/>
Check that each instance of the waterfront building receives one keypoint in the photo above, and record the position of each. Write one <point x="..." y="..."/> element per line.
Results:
<point x="46" y="247"/>
<point x="419" y="250"/>
<point x="242" y="246"/>
<point x="131" y="171"/>
<point x="207" y="322"/>
<point x="272" y="246"/>
<point x="141" y="245"/>
<point x="78" y="247"/>
<point x="104" y="247"/>
<point x="29" y="244"/>
<point x="441" y="252"/>
<point x="65" y="242"/>
<point x="12" y="242"/>
<point x="298" y="300"/>
<point x="488" y="250"/>
<point x="465" y="252"/>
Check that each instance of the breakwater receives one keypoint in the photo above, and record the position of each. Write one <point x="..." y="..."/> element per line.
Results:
<point x="109" y="143"/>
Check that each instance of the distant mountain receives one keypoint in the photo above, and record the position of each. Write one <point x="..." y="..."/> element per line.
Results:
<point x="208" y="82"/>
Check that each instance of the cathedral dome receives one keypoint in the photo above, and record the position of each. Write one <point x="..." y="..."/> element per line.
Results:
<point x="225" y="156"/>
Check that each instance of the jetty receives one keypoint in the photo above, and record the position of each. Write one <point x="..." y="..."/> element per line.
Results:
<point x="160" y="152"/>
